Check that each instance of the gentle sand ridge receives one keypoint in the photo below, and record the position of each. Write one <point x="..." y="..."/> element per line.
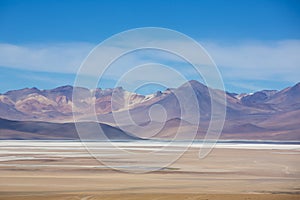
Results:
<point x="34" y="172"/>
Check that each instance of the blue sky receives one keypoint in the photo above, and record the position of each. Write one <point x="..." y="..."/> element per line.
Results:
<point x="254" y="43"/>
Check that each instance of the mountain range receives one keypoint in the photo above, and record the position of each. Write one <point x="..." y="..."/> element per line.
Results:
<point x="31" y="113"/>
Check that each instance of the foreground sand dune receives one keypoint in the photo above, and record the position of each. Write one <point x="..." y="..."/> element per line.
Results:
<point x="56" y="172"/>
<point x="147" y="196"/>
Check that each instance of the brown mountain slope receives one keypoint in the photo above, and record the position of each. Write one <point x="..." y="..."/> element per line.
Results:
<point x="29" y="130"/>
<point x="265" y="114"/>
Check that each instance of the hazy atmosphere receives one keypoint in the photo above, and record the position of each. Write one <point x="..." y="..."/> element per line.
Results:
<point x="149" y="100"/>
<point x="254" y="44"/>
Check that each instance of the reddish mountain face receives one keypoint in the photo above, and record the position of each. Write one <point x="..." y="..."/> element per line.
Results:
<point x="56" y="105"/>
<point x="266" y="114"/>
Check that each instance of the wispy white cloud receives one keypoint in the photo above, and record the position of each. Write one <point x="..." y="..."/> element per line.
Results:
<point x="270" y="61"/>
<point x="278" y="60"/>
<point x="63" y="57"/>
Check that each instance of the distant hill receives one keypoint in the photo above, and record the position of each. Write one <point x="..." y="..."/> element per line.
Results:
<point x="267" y="114"/>
<point x="30" y="130"/>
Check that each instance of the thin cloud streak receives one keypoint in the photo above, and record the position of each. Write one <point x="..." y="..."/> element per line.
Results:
<point x="62" y="58"/>
<point x="278" y="60"/>
<point x="269" y="61"/>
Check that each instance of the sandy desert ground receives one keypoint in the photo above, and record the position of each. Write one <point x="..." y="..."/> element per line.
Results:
<point x="61" y="171"/>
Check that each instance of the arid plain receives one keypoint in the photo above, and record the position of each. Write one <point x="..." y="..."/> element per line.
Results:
<point x="59" y="171"/>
